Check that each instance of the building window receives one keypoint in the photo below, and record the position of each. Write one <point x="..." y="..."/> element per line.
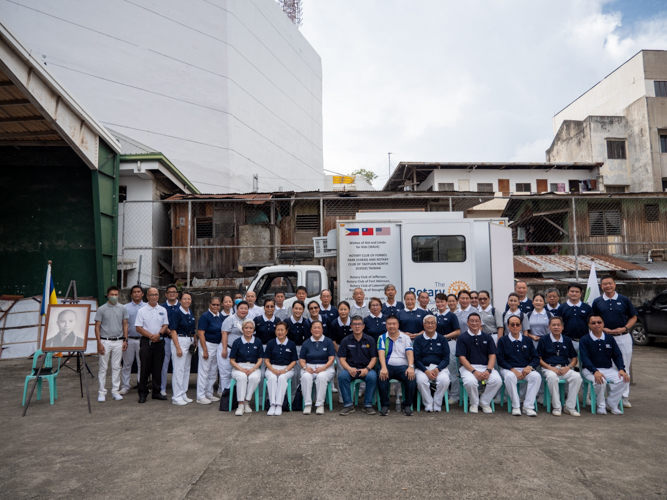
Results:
<point x="523" y="187"/>
<point x="446" y="186"/>
<point x="204" y="227"/>
<point x="663" y="143"/>
<point x="605" y="222"/>
<point x="664" y="184"/>
<point x="616" y="150"/>
<point x="307" y="222"/>
<point x="660" y="89"/>
<point x="122" y="194"/>
<point x="651" y="213"/>
<point x="438" y="249"/>
<point x="614" y="189"/>
<point x="485" y="187"/>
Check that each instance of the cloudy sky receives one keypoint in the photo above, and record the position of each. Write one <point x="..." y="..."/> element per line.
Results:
<point x="473" y="80"/>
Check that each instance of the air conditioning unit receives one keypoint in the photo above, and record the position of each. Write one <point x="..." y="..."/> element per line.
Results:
<point x="321" y="249"/>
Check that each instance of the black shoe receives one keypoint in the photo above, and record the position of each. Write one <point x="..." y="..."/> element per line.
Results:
<point x="142" y="399"/>
<point x="368" y="410"/>
<point x="160" y="397"/>
<point x="347" y="410"/>
<point x="384" y="411"/>
<point x="136" y="387"/>
<point x="407" y="411"/>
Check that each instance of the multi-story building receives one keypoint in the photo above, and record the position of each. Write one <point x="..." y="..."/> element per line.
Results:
<point x="621" y="122"/>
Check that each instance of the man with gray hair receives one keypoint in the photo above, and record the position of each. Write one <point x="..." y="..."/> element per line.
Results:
<point x="553" y="301"/>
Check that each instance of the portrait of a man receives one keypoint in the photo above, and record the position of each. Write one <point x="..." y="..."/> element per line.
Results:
<point x="66" y="327"/>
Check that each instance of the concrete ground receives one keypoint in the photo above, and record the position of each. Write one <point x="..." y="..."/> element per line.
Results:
<point x="159" y="450"/>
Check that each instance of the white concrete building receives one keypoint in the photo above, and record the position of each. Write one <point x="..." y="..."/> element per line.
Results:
<point x="622" y="122"/>
<point x="225" y="88"/>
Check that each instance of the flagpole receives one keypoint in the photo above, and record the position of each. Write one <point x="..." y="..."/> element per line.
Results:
<point x="46" y="284"/>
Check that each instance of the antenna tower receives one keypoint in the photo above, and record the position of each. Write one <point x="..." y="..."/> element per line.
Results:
<point x="294" y="10"/>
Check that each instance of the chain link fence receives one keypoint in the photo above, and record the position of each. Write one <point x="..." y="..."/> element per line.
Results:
<point x="198" y="241"/>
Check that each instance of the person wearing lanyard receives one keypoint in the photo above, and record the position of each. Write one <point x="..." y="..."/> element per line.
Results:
<point x="477" y="355"/>
<point x="231" y="331"/>
<point x="411" y="319"/>
<point x="519" y="361"/>
<point x="375" y="324"/>
<point x="111" y="332"/>
<point x="397" y="362"/>
<point x="558" y="359"/>
<point x="575" y="315"/>
<point x="357" y="356"/>
<point x="280" y="359"/>
<point x="359" y="307"/>
<point x="513" y="309"/>
<point x="151" y="323"/>
<point x="598" y="350"/>
<point x="314" y="315"/>
<point x="538" y="319"/>
<point x="131" y="354"/>
<point x="171" y="305"/>
<point x="391" y="306"/>
<point x="246" y="356"/>
<point x="553" y="301"/>
<point x="316" y="360"/>
<point x="182" y="327"/>
<point x="209" y="332"/>
<point x="525" y="304"/>
<point x="253" y="309"/>
<point x="431" y="352"/>
<point x="448" y="326"/>
<point x="328" y="311"/>
<point x="619" y="315"/>
<point x="281" y="311"/>
<point x="492" y="318"/>
<point x="465" y="308"/>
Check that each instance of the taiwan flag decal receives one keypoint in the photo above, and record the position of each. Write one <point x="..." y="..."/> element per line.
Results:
<point x="382" y="231"/>
<point x="367" y="231"/>
<point x="352" y="232"/>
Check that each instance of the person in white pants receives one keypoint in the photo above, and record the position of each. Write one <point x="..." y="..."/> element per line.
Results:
<point x="111" y="333"/>
<point x="246" y="357"/>
<point x="558" y="359"/>
<point x="171" y="305"/>
<point x="209" y="334"/>
<point x="476" y="351"/>
<point x="431" y="352"/>
<point x="448" y="327"/>
<point x="280" y="358"/>
<point x="599" y="353"/>
<point x="316" y="360"/>
<point x="619" y="316"/>
<point x="131" y="353"/>
<point x="231" y="330"/>
<point x="182" y="329"/>
<point x="518" y="360"/>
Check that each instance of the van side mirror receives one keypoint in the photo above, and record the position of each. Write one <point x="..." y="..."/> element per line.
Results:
<point x="647" y="303"/>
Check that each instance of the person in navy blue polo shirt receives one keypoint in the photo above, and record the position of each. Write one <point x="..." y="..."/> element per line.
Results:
<point x="598" y="350"/>
<point x="476" y="351"/>
<point x="341" y="327"/>
<point x="280" y="359"/>
<point x="316" y="359"/>
<point x="357" y="356"/>
<point x="265" y="324"/>
<point x="246" y="356"/>
<point x="391" y="306"/>
<point x="525" y="304"/>
<point x="183" y="331"/>
<point x="519" y="361"/>
<point x="171" y="305"/>
<point x="314" y="314"/>
<point x="327" y="310"/>
<point x="619" y="316"/>
<point x="209" y="332"/>
<point x="553" y="301"/>
<point x="431" y="352"/>
<point x="410" y="319"/>
<point x="375" y="324"/>
<point x="575" y="315"/>
<point x="558" y="359"/>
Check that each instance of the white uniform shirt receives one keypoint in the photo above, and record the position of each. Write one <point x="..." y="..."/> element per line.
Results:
<point x="152" y="319"/>
<point x="255" y="311"/>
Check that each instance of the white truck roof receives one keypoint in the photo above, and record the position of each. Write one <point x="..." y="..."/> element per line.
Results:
<point x="401" y="216"/>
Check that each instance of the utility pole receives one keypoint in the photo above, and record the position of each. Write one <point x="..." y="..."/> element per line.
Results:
<point x="255" y="183"/>
<point x="389" y="155"/>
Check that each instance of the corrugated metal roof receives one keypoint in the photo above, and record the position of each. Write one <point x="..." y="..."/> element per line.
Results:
<point x="495" y="204"/>
<point x="129" y="146"/>
<point x="565" y="263"/>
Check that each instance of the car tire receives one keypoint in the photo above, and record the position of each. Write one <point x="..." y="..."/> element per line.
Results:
<point x="640" y="336"/>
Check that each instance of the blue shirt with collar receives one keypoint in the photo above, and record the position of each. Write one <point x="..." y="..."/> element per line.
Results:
<point x="388" y="310"/>
<point x="298" y="332"/>
<point x="183" y="323"/>
<point x="338" y="331"/>
<point x="325" y="325"/>
<point x="475" y="348"/>
<point x="170" y="309"/>
<point x="556" y="353"/>
<point x="265" y="330"/>
<point x="431" y="351"/>
<point x="329" y="315"/>
<point x="600" y="353"/>
<point x="247" y="352"/>
<point x="132" y="310"/>
<point x="575" y="319"/>
<point x="411" y="321"/>
<point x="280" y="354"/>
<point x="553" y="310"/>
<point x="447" y="323"/>
<point x="358" y="353"/>
<point x="615" y="312"/>
<point x="211" y="326"/>
<point x="317" y="353"/>
<point x="375" y="326"/>
<point x="516" y="353"/>
<point x="524" y="305"/>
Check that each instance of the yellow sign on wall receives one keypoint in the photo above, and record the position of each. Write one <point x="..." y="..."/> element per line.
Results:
<point x="343" y="179"/>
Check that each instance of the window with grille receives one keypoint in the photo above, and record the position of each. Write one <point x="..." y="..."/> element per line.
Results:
<point x="204" y="227"/>
<point x="523" y="187"/>
<point x="445" y="186"/>
<point x="660" y="89"/>
<point x="616" y="150"/>
<point x="651" y="213"/>
<point x="605" y="222"/>
<point x="485" y="187"/>
<point x="663" y="143"/>
<point x="614" y="189"/>
<point x="307" y="222"/>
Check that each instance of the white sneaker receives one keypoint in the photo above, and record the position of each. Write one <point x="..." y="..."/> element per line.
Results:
<point x="602" y="411"/>
<point x="571" y="411"/>
<point x="529" y="412"/>
<point x="516" y="412"/>
<point x="101" y="399"/>
<point x="204" y="401"/>
<point x="473" y="409"/>
<point x="487" y="409"/>
<point x="626" y="403"/>
<point x="540" y="400"/>
<point x="272" y="411"/>
<point x="556" y="412"/>
<point x="239" y="410"/>
<point x="453" y="401"/>
<point x="614" y="411"/>
<point x="306" y="410"/>
<point x="212" y="398"/>
<point x="246" y="407"/>
<point x="319" y="410"/>
<point x="164" y="393"/>
<point x="125" y="391"/>
<point x="187" y="399"/>
<point x="279" y="410"/>
<point x="117" y="397"/>
<point x="178" y="402"/>
<point x="333" y="389"/>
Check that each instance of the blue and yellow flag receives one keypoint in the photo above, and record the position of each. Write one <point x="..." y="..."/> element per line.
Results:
<point x="49" y="295"/>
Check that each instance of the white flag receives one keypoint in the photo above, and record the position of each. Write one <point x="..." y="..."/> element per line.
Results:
<point x="592" y="289"/>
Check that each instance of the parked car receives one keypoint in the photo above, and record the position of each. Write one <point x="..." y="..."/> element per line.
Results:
<point x="651" y="320"/>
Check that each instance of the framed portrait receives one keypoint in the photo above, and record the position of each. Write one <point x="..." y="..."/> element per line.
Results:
<point x="66" y="327"/>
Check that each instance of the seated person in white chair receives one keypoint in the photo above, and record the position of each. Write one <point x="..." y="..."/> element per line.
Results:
<point x="431" y="351"/>
<point x="316" y="360"/>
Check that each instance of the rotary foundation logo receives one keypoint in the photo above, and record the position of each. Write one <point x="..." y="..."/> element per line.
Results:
<point x="457" y="286"/>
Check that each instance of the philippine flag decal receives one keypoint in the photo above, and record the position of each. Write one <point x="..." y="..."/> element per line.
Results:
<point x="352" y="232"/>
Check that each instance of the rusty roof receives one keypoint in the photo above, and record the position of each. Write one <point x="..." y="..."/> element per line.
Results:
<point x="565" y="263"/>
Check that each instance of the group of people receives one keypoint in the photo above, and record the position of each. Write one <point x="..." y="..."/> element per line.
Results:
<point x="376" y="346"/>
